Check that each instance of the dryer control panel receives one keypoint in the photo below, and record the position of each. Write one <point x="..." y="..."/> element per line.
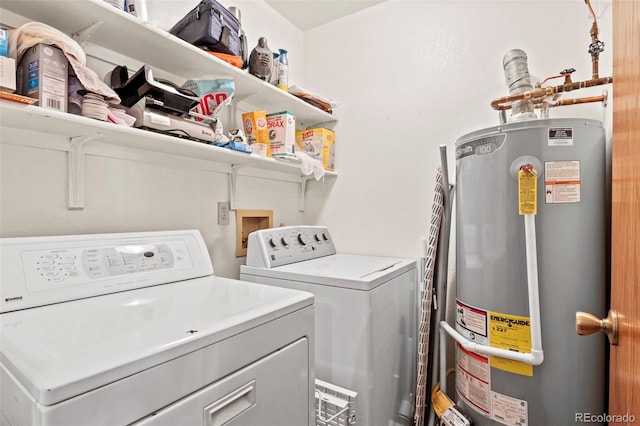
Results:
<point x="272" y="247"/>
<point x="43" y="270"/>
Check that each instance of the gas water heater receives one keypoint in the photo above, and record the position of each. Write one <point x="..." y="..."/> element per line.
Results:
<point x="566" y="160"/>
<point x="531" y="252"/>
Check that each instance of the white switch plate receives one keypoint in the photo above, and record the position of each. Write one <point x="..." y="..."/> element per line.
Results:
<point x="223" y="213"/>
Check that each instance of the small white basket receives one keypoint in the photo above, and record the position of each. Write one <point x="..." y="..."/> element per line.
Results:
<point x="335" y="406"/>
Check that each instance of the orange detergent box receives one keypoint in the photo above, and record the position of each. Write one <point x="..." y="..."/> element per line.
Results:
<point x="256" y="129"/>
<point x="318" y="143"/>
<point x="282" y="134"/>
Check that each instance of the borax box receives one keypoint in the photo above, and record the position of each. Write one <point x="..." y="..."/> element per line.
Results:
<point x="318" y="143"/>
<point x="282" y="134"/>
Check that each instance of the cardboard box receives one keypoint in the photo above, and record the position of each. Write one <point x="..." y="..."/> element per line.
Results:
<point x="7" y="74"/>
<point x="255" y="128"/>
<point x="318" y="143"/>
<point x="43" y="74"/>
<point x="282" y="134"/>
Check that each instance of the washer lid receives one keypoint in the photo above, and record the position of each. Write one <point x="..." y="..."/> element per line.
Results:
<point x="340" y="270"/>
<point x="63" y="350"/>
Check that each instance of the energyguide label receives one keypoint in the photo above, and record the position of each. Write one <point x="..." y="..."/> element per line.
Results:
<point x="473" y="370"/>
<point x="513" y="333"/>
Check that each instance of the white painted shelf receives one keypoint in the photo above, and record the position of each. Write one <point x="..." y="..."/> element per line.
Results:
<point x="15" y="115"/>
<point x="78" y="130"/>
<point x="126" y="35"/>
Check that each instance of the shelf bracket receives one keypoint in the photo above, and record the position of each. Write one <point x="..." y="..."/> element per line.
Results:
<point x="233" y="179"/>
<point x="302" y="191"/>
<point x="235" y="122"/>
<point x="76" y="178"/>
<point x="85" y="34"/>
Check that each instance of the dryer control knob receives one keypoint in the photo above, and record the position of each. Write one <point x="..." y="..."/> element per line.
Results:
<point x="272" y="242"/>
<point x="301" y="240"/>
<point x="324" y="237"/>
<point x="317" y="237"/>
<point x="284" y="242"/>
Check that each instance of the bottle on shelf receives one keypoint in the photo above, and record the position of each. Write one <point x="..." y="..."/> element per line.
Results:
<point x="274" y="69"/>
<point x="283" y="71"/>
<point x="243" y="37"/>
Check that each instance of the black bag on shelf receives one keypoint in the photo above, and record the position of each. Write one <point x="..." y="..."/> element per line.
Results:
<point x="211" y="25"/>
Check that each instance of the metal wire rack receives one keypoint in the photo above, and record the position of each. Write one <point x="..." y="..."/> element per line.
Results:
<point x="335" y="406"/>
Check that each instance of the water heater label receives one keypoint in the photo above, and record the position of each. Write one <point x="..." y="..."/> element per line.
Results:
<point x="560" y="136"/>
<point x="473" y="379"/>
<point x="562" y="182"/>
<point x="511" y="332"/>
<point x="471" y="323"/>
<point x="508" y="411"/>
<point x="527" y="191"/>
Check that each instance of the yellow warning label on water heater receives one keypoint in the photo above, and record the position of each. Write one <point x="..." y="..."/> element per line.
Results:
<point x="513" y="333"/>
<point x="527" y="194"/>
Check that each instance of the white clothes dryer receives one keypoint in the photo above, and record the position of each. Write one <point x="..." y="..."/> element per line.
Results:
<point x="366" y="315"/>
<point x="134" y="329"/>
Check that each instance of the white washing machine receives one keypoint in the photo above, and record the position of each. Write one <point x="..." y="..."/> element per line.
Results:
<point x="366" y="315"/>
<point x="134" y="329"/>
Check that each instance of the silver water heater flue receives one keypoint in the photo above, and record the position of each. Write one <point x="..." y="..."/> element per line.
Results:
<point x="516" y="74"/>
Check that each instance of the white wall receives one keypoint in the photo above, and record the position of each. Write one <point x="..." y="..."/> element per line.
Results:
<point x="141" y="192"/>
<point x="411" y="75"/>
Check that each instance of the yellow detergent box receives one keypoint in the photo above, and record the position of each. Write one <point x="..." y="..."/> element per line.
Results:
<point x="255" y="128"/>
<point x="318" y="143"/>
<point x="282" y="134"/>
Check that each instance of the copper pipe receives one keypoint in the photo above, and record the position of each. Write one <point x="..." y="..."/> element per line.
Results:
<point x="588" y="99"/>
<point x="566" y="75"/>
<point x="582" y="84"/>
<point x="596" y="45"/>
<point x="551" y="78"/>
<point x="537" y="95"/>
<point x="534" y="95"/>
<point x="565" y="102"/>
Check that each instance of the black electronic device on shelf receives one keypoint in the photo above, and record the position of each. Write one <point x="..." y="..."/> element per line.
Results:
<point x="167" y="96"/>
<point x="160" y="105"/>
<point x="149" y="116"/>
